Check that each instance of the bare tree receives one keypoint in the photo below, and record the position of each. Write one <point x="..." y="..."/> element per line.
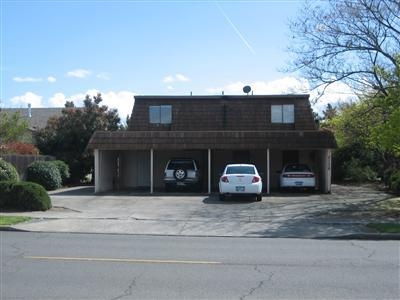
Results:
<point x="353" y="41"/>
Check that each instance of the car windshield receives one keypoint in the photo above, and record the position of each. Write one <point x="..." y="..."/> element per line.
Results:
<point x="297" y="168"/>
<point x="240" y="170"/>
<point x="181" y="164"/>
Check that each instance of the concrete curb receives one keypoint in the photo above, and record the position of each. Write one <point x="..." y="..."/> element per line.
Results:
<point x="367" y="236"/>
<point x="358" y="236"/>
<point x="10" y="228"/>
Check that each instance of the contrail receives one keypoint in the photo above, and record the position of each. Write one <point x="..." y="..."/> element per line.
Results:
<point x="235" y="28"/>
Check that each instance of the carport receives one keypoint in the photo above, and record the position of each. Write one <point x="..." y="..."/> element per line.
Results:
<point x="136" y="159"/>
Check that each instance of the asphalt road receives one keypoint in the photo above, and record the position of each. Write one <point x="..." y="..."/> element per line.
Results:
<point x="99" y="266"/>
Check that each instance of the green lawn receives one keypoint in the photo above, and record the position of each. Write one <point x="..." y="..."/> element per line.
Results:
<point x="385" y="227"/>
<point x="11" y="220"/>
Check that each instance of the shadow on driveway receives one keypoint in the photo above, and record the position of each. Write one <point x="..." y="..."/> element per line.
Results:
<point x="229" y="200"/>
<point x="76" y="191"/>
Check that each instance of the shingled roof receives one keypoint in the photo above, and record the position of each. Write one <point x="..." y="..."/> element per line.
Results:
<point x="142" y="140"/>
<point x="38" y="116"/>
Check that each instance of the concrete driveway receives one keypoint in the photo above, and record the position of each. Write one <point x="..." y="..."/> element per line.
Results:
<point x="341" y="213"/>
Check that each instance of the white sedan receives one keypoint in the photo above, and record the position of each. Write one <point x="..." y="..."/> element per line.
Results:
<point x="240" y="179"/>
<point x="297" y="176"/>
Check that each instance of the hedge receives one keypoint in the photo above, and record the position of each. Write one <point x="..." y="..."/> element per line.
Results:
<point x="63" y="168"/>
<point x="394" y="182"/>
<point x="8" y="171"/>
<point x="44" y="173"/>
<point x="23" y="196"/>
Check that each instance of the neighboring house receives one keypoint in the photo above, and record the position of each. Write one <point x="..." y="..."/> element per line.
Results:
<point x="269" y="131"/>
<point x="36" y="117"/>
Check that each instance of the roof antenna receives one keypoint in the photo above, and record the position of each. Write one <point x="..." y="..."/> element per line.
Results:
<point x="247" y="89"/>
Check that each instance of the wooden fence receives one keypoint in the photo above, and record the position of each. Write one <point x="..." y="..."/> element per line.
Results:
<point x="21" y="162"/>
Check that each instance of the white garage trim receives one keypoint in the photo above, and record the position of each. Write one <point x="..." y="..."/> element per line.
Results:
<point x="209" y="171"/>
<point x="151" y="171"/>
<point x="268" y="174"/>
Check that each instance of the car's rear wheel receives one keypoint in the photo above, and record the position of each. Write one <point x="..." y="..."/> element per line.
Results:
<point x="221" y="197"/>
<point x="180" y="174"/>
<point x="259" y="197"/>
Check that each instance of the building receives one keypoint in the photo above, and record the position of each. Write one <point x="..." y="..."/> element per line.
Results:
<point x="36" y="117"/>
<point x="269" y="131"/>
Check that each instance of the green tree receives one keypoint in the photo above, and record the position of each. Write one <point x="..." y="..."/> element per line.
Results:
<point x="67" y="136"/>
<point x="386" y="132"/>
<point x="356" y="42"/>
<point x="12" y="127"/>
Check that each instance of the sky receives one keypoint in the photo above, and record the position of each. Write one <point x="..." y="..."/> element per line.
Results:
<point x="53" y="51"/>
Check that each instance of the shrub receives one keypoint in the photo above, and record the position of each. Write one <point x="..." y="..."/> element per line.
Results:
<point x="44" y="173"/>
<point x="63" y="168"/>
<point x="354" y="170"/>
<point x="394" y="182"/>
<point x="20" y="148"/>
<point x="7" y="171"/>
<point x="5" y="192"/>
<point x="23" y="196"/>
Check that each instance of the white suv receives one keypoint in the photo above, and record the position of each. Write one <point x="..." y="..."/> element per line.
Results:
<point x="181" y="172"/>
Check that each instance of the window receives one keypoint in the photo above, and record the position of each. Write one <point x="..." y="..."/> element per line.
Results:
<point x="282" y="113"/>
<point x="240" y="170"/>
<point x="160" y="114"/>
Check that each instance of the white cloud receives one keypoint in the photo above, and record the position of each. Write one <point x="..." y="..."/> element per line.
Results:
<point x="79" y="73"/>
<point x="336" y="93"/>
<point x="181" y="78"/>
<point x="168" y="79"/>
<point x="27" y="79"/>
<point x="175" y="78"/>
<point x="121" y="100"/>
<point x="51" y="79"/>
<point x="285" y="85"/>
<point x="58" y="100"/>
<point x="103" y="76"/>
<point x="27" y="98"/>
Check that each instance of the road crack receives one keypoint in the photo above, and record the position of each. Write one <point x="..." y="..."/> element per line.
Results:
<point x="370" y="254"/>
<point x="128" y="291"/>
<point x="260" y="283"/>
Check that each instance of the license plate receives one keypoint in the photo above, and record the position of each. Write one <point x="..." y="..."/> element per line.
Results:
<point x="299" y="183"/>
<point x="180" y="183"/>
<point x="240" y="189"/>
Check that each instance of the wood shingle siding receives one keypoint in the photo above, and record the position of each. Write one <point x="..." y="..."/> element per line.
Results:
<point x="209" y="113"/>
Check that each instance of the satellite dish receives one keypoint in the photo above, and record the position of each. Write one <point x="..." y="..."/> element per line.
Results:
<point x="247" y="89"/>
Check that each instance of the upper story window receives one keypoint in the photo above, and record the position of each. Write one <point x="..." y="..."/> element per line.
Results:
<point x="160" y="114"/>
<point x="282" y="113"/>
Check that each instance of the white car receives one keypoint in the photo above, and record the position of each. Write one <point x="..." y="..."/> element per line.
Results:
<point x="297" y="176"/>
<point x="240" y="179"/>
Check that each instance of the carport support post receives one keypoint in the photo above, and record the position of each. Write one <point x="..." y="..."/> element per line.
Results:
<point x="209" y="171"/>
<point x="326" y="165"/>
<point x="151" y="171"/>
<point x="268" y="174"/>
<point x="96" y="170"/>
